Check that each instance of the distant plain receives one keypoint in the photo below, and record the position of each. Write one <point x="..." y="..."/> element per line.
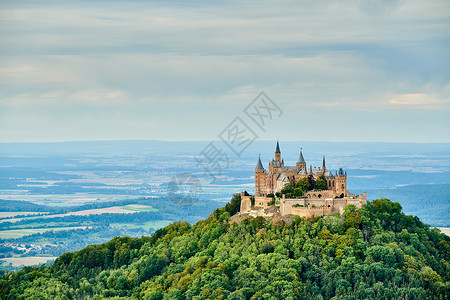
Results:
<point x="89" y="192"/>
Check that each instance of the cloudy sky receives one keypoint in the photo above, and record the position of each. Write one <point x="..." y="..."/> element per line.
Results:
<point x="367" y="70"/>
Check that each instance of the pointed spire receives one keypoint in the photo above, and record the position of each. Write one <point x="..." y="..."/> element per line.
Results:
<point x="259" y="165"/>
<point x="277" y="150"/>
<point x="323" y="163"/>
<point x="301" y="159"/>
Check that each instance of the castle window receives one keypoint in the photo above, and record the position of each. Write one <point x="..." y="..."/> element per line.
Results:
<point x="333" y="183"/>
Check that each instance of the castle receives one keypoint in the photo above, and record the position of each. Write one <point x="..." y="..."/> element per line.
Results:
<point x="298" y="190"/>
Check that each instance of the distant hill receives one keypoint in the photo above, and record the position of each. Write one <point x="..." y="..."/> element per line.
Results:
<point x="376" y="252"/>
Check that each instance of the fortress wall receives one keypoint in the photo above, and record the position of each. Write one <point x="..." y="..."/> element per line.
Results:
<point x="245" y="203"/>
<point x="310" y="207"/>
<point x="315" y="194"/>
<point x="310" y="212"/>
<point x="261" y="202"/>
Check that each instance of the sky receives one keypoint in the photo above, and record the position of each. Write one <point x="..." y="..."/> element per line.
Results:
<point x="372" y="70"/>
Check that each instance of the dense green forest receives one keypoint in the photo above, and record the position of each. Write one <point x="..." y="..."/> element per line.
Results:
<point x="376" y="252"/>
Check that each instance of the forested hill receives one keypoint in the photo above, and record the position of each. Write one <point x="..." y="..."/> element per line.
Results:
<point x="375" y="252"/>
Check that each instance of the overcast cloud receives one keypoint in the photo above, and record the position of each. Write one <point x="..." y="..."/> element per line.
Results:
<point x="340" y="70"/>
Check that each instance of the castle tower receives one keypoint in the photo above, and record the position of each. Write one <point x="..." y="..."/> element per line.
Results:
<point x="301" y="163"/>
<point x="259" y="177"/>
<point x="277" y="153"/>
<point x="341" y="182"/>
<point x="324" y="168"/>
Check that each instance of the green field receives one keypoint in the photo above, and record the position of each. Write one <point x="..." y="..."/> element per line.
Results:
<point x="138" y="207"/>
<point x="18" y="233"/>
<point x="146" y="226"/>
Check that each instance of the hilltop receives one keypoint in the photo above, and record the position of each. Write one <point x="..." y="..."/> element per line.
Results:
<point x="373" y="252"/>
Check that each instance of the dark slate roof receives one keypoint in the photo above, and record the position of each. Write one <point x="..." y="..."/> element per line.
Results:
<point x="277" y="150"/>
<point x="289" y="168"/>
<point x="276" y="164"/>
<point x="301" y="159"/>
<point x="259" y="165"/>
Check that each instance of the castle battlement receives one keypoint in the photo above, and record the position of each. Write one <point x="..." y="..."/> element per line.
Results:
<point x="298" y="190"/>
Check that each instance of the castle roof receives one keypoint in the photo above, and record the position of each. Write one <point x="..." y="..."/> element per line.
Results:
<point x="328" y="174"/>
<point x="301" y="159"/>
<point x="259" y="165"/>
<point x="276" y="164"/>
<point x="277" y="150"/>
<point x="289" y="168"/>
<point x="302" y="172"/>
<point x="283" y="178"/>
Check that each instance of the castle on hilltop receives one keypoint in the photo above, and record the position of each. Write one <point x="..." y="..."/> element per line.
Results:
<point x="298" y="190"/>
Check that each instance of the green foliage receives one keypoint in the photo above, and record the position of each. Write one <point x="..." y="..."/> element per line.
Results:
<point x="298" y="192"/>
<point x="303" y="184"/>
<point x="321" y="184"/>
<point x="376" y="252"/>
<point x="287" y="189"/>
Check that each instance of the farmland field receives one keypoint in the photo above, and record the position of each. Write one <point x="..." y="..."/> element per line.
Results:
<point x="7" y="214"/>
<point x="146" y="226"/>
<point x="17" y="233"/>
<point x="26" y="261"/>
<point x="126" y="209"/>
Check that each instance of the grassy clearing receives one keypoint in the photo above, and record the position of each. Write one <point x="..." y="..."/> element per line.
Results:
<point x="18" y="233"/>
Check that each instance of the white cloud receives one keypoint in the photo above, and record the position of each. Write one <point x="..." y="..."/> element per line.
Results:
<point x="422" y="100"/>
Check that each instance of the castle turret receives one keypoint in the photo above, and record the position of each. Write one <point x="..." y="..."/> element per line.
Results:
<point x="277" y="153"/>
<point x="324" y="168"/>
<point x="301" y="163"/>
<point x="259" y="177"/>
<point x="259" y="165"/>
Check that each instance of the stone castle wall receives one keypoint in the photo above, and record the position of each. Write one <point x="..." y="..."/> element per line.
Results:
<point x="303" y="207"/>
